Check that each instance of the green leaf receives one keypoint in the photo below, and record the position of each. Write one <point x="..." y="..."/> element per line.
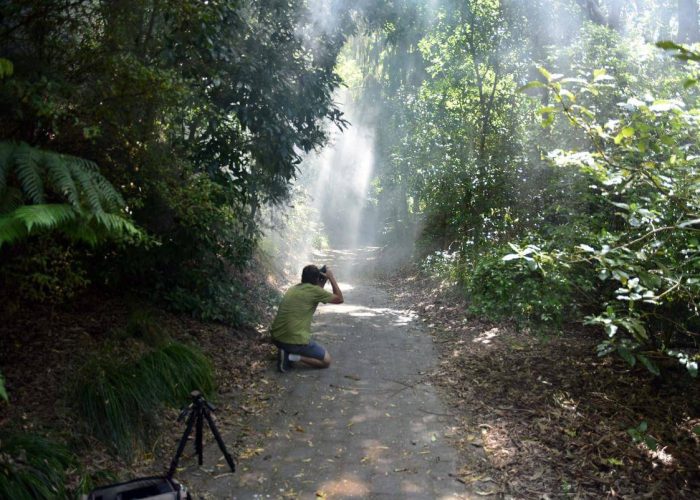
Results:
<point x="6" y="68"/>
<point x="3" y="391"/>
<point x="11" y="230"/>
<point x="650" y="442"/>
<point x="668" y="45"/>
<point x="649" y="365"/>
<point x="689" y="223"/>
<point x="44" y="216"/>
<point x="28" y="173"/>
<point x="547" y="75"/>
<point x="600" y="75"/>
<point x="531" y="85"/>
<point x="627" y="355"/>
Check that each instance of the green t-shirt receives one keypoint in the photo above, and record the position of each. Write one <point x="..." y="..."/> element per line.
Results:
<point x="293" y="322"/>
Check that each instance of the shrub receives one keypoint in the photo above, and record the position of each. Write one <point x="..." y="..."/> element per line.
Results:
<point x="42" y="269"/>
<point x="441" y="264"/>
<point x="644" y="165"/>
<point x="523" y="286"/>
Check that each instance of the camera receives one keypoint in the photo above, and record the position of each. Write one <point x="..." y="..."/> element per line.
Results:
<point x="322" y="278"/>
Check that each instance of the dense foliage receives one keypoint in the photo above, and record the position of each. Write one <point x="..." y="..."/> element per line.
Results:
<point x="571" y="198"/>
<point x="197" y="113"/>
<point x="138" y="142"/>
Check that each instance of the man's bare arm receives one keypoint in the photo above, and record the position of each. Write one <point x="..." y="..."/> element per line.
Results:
<point x="337" y="293"/>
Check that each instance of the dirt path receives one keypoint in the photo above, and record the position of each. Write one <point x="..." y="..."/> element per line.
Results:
<point x="371" y="426"/>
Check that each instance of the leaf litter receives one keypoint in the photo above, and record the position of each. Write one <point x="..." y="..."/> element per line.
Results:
<point x="551" y="416"/>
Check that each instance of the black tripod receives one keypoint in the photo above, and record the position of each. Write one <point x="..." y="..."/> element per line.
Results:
<point x="196" y="412"/>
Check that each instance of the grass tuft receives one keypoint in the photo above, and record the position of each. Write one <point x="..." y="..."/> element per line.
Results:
<point x="120" y="400"/>
<point x="143" y="325"/>
<point x="32" y="467"/>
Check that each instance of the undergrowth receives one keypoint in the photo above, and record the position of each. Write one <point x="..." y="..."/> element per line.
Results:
<point x="33" y="467"/>
<point x="119" y="400"/>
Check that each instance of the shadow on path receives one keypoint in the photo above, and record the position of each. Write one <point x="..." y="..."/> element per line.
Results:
<point x="370" y="426"/>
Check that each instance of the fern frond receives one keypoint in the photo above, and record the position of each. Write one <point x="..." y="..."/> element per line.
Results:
<point x="87" y="184"/>
<point x="11" y="230"/>
<point x="61" y="178"/>
<point x="108" y="194"/>
<point x="92" y="211"/>
<point x="29" y="173"/>
<point x="80" y="231"/>
<point x="44" y="216"/>
<point x="10" y="199"/>
<point x="116" y="224"/>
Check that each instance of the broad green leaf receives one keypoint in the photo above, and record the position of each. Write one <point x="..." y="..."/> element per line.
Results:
<point x="532" y="85"/>
<point x="547" y="75"/>
<point x="668" y="45"/>
<point x="580" y="81"/>
<point x="650" y="442"/>
<point x="611" y="329"/>
<point x="648" y="364"/>
<point x="689" y="223"/>
<point x="627" y="355"/>
<point x="547" y="109"/>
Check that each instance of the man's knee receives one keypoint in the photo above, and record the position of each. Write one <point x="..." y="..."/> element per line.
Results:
<point x="326" y="360"/>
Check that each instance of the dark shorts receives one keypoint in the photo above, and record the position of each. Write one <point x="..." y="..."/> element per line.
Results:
<point x="310" y="350"/>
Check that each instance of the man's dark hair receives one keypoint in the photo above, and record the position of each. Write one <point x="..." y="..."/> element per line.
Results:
<point x="311" y="274"/>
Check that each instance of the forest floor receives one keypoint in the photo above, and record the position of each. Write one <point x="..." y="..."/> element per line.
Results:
<point x="551" y="416"/>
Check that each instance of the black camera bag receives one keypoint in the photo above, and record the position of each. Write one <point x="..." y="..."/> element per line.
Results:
<point x="152" y="488"/>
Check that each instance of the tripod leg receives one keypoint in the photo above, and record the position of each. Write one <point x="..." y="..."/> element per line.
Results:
<point x="198" y="445"/>
<point x="219" y="441"/>
<point x="181" y="445"/>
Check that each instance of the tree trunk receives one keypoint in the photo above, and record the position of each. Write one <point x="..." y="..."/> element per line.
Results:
<point x="615" y="14"/>
<point x="592" y="10"/>
<point x="688" y="28"/>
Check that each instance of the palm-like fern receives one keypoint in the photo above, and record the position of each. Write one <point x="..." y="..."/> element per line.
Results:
<point x="43" y="190"/>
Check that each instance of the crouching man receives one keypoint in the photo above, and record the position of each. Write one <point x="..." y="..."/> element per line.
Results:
<point x="291" y="330"/>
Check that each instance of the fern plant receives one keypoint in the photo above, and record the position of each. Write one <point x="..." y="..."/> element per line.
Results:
<point x="43" y="190"/>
